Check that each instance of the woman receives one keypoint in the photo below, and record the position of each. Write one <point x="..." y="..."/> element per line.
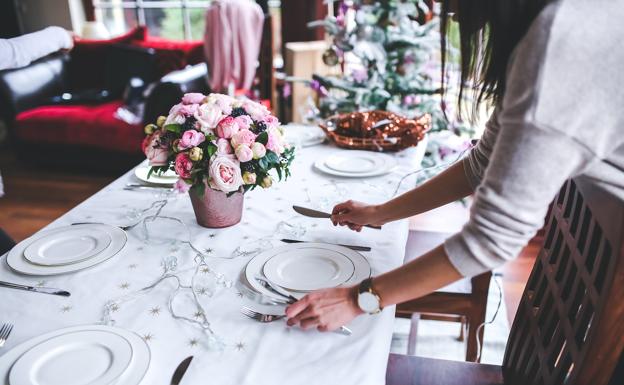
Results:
<point x="553" y="71"/>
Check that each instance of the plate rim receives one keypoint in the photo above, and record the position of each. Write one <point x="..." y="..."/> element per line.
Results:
<point x="319" y="164"/>
<point x="109" y="381"/>
<point x="249" y="275"/>
<point x="110" y="240"/>
<point x="163" y="180"/>
<point x="135" y="340"/>
<point x="15" y="256"/>
<point x="264" y="267"/>
<point x="374" y="164"/>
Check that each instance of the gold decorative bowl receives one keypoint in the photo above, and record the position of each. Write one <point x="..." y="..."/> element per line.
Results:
<point x="376" y="130"/>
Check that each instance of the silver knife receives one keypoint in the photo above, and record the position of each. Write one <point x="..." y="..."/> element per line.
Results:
<point x="43" y="290"/>
<point x="180" y="370"/>
<point x="320" y="214"/>
<point x="352" y="247"/>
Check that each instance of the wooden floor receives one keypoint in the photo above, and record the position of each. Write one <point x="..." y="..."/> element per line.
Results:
<point x="35" y="197"/>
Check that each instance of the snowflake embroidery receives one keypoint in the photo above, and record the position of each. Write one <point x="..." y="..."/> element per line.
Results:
<point x="132" y="266"/>
<point x="124" y="286"/>
<point x="148" y="337"/>
<point x="193" y="342"/>
<point x="155" y="311"/>
<point x="66" y="308"/>
<point x="240" y="346"/>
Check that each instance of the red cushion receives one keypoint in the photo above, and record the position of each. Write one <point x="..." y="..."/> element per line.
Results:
<point x="87" y="126"/>
<point x="173" y="55"/>
<point x="88" y="59"/>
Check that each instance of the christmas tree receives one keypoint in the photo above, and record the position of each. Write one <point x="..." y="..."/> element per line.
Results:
<point x="389" y="55"/>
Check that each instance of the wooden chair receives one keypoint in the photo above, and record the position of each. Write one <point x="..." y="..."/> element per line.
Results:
<point x="569" y="328"/>
<point x="464" y="301"/>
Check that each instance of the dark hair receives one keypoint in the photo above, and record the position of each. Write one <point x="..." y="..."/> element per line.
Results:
<point x="489" y="30"/>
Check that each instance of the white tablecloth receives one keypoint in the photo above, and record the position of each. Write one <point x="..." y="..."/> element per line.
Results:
<point x="254" y="353"/>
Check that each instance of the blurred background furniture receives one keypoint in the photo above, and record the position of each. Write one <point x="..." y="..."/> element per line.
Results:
<point x="569" y="310"/>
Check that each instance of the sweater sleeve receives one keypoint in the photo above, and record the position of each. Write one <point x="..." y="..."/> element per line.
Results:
<point x="477" y="160"/>
<point x="22" y="50"/>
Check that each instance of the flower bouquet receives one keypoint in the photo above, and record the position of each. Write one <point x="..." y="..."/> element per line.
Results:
<point x="220" y="147"/>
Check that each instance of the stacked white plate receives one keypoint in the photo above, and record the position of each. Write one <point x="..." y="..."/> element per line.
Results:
<point x="66" y="249"/>
<point x="303" y="267"/>
<point x="80" y="355"/>
<point x="167" y="178"/>
<point x="304" y="135"/>
<point x="356" y="164"/>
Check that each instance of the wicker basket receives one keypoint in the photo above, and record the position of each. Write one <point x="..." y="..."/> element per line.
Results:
<point x="376" y="130"/>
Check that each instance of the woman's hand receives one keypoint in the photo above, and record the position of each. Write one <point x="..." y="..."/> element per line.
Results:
<point x="356" y="214"/>
<point x="325" y="310"/>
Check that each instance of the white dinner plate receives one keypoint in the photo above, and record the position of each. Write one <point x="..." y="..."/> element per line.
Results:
<point x="86" y="357"/>
<point x="71" y="246"/>
<point x="169" y="177"/>
<point x="254" y="267"/>
<point x="356" y="164"/>
<point x="304" y="135"/>
<point x="308" y="268"/>
<point x="16" y="261"/>
<point x="132" y="376"/>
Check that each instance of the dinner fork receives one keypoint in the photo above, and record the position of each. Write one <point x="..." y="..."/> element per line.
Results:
<point x="5" y="331"/>
<point x="260" y="316"/>
<point x="124" y="228"/>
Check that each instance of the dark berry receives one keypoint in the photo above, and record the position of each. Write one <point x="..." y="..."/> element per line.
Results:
<point x="238" y="111"/>
<point x="248" y="166"/>
<point x="260" y="127"/>
<point x="189" y="123"/>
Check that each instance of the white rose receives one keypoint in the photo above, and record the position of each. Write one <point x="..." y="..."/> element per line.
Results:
<point x="224" y="102"/>
<point x="257" y="111"/>
<point x="208" y="116"/>
<point x="175" y="117"/>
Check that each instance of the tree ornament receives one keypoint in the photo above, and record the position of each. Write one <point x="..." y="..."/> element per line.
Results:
<point x="330" y="57"/>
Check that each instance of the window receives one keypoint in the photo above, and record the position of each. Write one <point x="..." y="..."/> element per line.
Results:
<point x="170" y="19"/>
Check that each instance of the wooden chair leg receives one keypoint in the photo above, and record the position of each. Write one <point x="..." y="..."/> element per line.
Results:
<point x="413" y="334"/>
<point x="462" y="330"/>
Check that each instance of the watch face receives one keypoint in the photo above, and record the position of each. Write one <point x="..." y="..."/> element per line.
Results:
<point x="368" y="302"/>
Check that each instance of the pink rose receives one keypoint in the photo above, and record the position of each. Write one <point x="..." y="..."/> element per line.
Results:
<point x="181" y="186"/>
<point x="183" y="165"/>
<point x="193" y="98"/>
<point x="275" y="141"/>
<point x="244" y="122"/>
<point x="224" y="102"/>
<point x="258" y="150"/>
<point x="191" y="138"/>
<point x="243" y="137"/>
<point x="208" y="116"/>
<point x="225" y="173"/>
<point x="271" y="121"/>
<point x="227" y="127"/>
<point x="175" y="115"/>
<point x="243" y="153"/>
<point x="257" y="111"/>
<point x="223" y="147"/>
<point x="156" y="155"/>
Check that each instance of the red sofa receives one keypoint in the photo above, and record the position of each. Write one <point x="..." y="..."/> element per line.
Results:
<point x="90" y="135"/>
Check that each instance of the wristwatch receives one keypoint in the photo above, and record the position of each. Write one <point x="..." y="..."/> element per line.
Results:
<point x="368" y="300"/>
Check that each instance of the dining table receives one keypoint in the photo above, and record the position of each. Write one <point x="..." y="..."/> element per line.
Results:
<point x="241" y="350"/>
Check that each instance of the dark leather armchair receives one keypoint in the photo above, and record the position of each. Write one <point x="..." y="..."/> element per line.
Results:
<point x="88" y="135"/>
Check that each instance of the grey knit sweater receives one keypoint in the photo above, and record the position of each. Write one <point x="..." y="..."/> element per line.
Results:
<point x="562" y="116"/>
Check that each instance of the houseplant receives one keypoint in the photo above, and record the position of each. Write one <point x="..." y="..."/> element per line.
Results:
<point x="220" y="147"/>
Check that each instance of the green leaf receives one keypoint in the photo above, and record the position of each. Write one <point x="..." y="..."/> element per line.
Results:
<point x="263" y="138"/>
<point x="272" y="157"/>
<point x="263" y="163"/>
<point x="151" y="170"/>
<point x="174" y="127"/>
<point x="211" y="150"/>
<point x="279" y="172"/>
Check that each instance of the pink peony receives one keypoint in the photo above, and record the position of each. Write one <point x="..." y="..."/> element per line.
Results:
<point x="275" y="141"/>
<point x="175" y="115"/>
<point x="243" y="137"/>
<point x="183" y="165"/>
<point x="243" y="153"/>
<point x="156" y="155"/>
<point x="189" y="109"/>
<point x="257" y="111"/>
<point x="208" y="117"/>
<point x="223" y="147"/>
<point x="227" y="127"/>
<point x="244" y="122"/>
<point x="193" y="98"/>
<point x="224" y="102"/>
<point x="258" y="150"/>
<point x="181" y="186"/>
<point x="225" y="173"/>
<point x="191" y="138"/>
<point x="271" y="121"/>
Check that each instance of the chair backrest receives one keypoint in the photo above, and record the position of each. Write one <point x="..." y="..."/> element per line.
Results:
<point x="569" y="328"/>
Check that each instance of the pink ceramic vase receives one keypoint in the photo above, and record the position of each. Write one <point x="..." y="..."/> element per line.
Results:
<point x="215" y="209"/>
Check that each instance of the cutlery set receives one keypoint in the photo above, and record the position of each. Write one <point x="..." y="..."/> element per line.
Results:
<point x="43" y="290"/>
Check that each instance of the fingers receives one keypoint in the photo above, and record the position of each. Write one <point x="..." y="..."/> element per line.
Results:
<point x="341" y="207"/>
<point x="297" y="307"/>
